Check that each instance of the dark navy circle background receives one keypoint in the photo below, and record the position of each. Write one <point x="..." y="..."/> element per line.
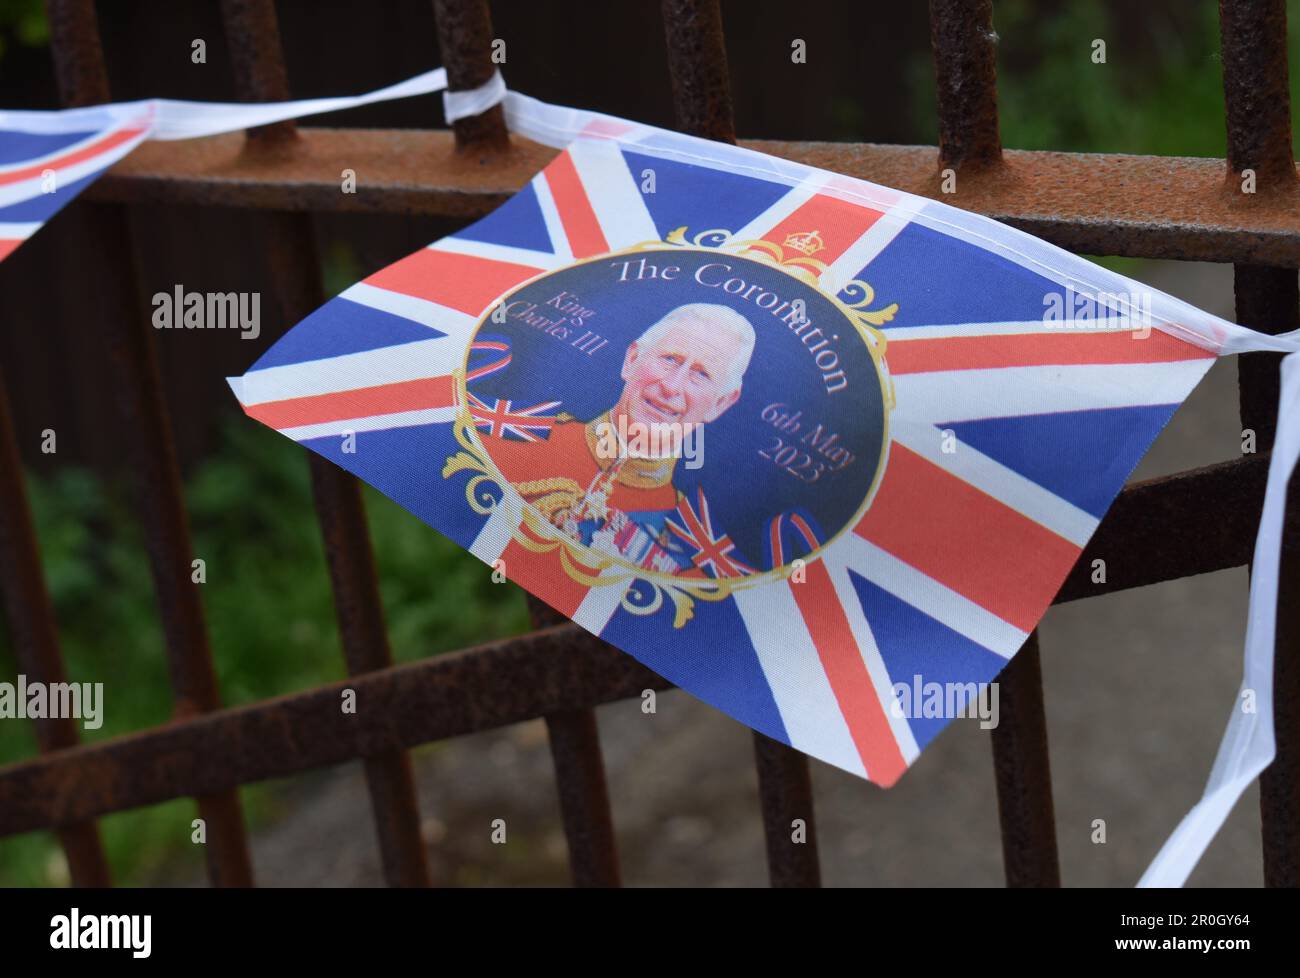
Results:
<point x="744" y="490"/>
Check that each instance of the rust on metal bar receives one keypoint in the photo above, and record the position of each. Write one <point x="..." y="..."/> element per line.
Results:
<point x="697" y="62"/>
<point x="365" y="644"/>
<point x="79" y="57"/>
<point x="538" y="674"/>
<point x="1175" y="526"/>
<point x="465" y="38"/>
<point x="786" y="799"/>
<point x="584" y="798"/>
<point x="36" y="645"/>
<point x="1257" y="102"/>
<point x="580" y="781"/>
<point x="1256" y="92"/>
<point x="1023" y="774"/>
<point x="1138" y="206"/>
<point x="79" y="62"/>
<point x="966" y="77"/>
<point x="253" y="31"/>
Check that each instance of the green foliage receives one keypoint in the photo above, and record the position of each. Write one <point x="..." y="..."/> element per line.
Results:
<point x="1160" y="91"/>
<point x="22" y="22"/>
<point x="269" y="609"/>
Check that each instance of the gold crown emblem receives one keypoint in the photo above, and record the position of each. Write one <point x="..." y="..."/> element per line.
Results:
<point x="808" y="242"/>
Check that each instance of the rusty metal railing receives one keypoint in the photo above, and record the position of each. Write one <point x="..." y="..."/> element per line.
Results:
<point x="1184" y="524"/>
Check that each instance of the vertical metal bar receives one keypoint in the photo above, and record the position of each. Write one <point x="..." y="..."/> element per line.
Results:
<point x="584" y="798"/>
<point x="256" y="58"/>
<point x="1256" y="89"/>
<point x="965" y="68"/>
<point x="697" y="61"/>
<point x="580" y="782"/>
<point x="1024" y="776"/>
<point x="365" y="644"/>
<point x="785" y="789"/>
<point x="31" y="623"/>
<point x="83" y="80"/>
<point x="1258" y="110"/>
<point x="254" y="37"/>
<point x="465" y="39"/>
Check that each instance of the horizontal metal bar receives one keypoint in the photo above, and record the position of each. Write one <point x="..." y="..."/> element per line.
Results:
<point x="544" y="672"/>
<point x="1140" y="206"/>
<point x="1176" y="526"/>
<point x="1191" y="523"/>
<point x="398" y="171"/>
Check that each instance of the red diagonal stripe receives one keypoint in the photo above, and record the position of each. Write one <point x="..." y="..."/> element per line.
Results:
<point x="579" y="220"/>
<point x="364" y="402"/>
<point x="967" y="540"/>
<point x="62" y="162"/>
<point x="463" y="282"/>
<point x="1036" y="349"/>
<point x="7" y="248"/>
<point x="842" y="659"/>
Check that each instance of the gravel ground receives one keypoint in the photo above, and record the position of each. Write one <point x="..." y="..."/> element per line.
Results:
<point x="1138" y="687"/>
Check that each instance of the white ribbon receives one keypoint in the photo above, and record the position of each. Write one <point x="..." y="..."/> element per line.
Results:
<point x="459" y="105"/>
<point x="1248" y="745"/>
<point x="172" y="119"/>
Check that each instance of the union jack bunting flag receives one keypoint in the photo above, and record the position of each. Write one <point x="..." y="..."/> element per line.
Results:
<point x="822" y="444"/>
<point x="40" y="172"/>
<point x="47" y="158"/>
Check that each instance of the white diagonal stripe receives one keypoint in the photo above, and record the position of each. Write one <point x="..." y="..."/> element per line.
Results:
<point x="931" y="598"/>
<point x="600" y="603"/>
<point x="966" y="395"/>
<point x="1072" y="327"/>
<point x="551" y="217"/>
<point x="380" y="422"/>
<point x="836" y="560"/>
<point x="18" y="232"/>
<point x="500" y="528"/>
<point x="989" y="476"/>
<point x="495" y="252"/>
<point x="33" y="187"/>
<point x="613" y="193"/>
<point x="804" y="698"/>
<point x="457" y="325"/>
<point x="781" y="208"/>
<point x="352" y="371"/>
